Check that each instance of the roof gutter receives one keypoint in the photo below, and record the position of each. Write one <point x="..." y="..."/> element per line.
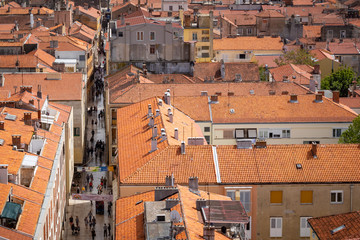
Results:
<point x="216" y="164"/>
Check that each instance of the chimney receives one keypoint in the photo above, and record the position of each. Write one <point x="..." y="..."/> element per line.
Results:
<point x="167" y="98"/>
<point x="16" y="140"/>
<point x="163" y="136"/>
<point x="194" y="184"/>
<point x="182" y="147"/>
<point x="26" y="88"/>
<point x="260" y="144"/>
<point x="162" y="193"/>
<point x="222" y="69"/>
<point x="318" y="98"/>
<point x="170" y="203"/>
<point x="314" y="149"/>
<point x="176" y="134"/>
<point x="336" y="96"/>
<point x="4" y="173"/>
<point x="160" y="102"/>
<point x="209" y="233"/>
<point x="272" y="92"/>
<point x="200" y="203"/>
<point x="169" y="181"/>
<point x="171" y="117"/>
<point x="157" y="112"/>
<point x="27" y="118"/>
<point x="293" y="98"/>
<point x="154" y="132"/>
<point x="39" y="93"/>
<point x="169" y="111"/>
<point x="285" y="79"/>
<point x="230" y="94"/>
<point x="316" y="69"/>
<point x="153" y="144"/>
<point x="31" y="20"/>
<point x="151" y="122"/>
<point x="2" y="125"/>
<point x="214" y="98"/>
<point x="312" y="84"/>
<point x="149" y="110"/>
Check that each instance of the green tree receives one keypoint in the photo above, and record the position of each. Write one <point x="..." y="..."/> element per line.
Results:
<point x="352" y="134"/>
<point x="300" y="56"/>
<point x="340" y="80"/>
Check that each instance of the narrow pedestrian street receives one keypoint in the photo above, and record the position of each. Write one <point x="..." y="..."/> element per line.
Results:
<point x="95" y="153"/>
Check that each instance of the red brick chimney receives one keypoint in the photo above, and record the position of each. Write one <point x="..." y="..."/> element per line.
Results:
<point x="16" y="140"/>
<point x="336" y="96"/>
<point x="2" y="125"/>
<point x="27" y="118"/>
<point x="209" y="232"/>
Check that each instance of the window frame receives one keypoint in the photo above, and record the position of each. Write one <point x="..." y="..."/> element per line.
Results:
<point x="306" y="228"/>
<point x="206" y="129"/>
<point x="121" y="33"/>
<point x="77" y="132"/>
<point x="140" y="36"/>
<point x="342" y="31"/>
<point x="150" y="36"/>
<point x="196" y="36"/>
<point x="247" y="209"/>
<point x="228" y="130"/>
<point x="335" y="132"/>
<point x="232" y="192"/>
<point x="249" y="31"/>
<point x="276" y="233"/>
<point x="207" y="138"/>
<point x="336" y="192"/>
<point x="152" y="47"/>
<point x="282" y="197"/>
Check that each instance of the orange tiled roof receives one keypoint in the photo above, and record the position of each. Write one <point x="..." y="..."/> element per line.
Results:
<point x="25" y="11"/>
<point x="302" y="2"/>
<point x="30" y="60"/>
<point x="323" y="226"/>
<point x="248" y="43"/>
<point x="4" y="193"/>
<point x="195" y="107"/>
<point x="93" y="12"/>
<point x="302" y="73"/>
<point x="133" y="128"/>
<point x="10" y="234"/>
<point x="132" y="93"/>
<point x="350" y="101"/>
<point x="30" y="211"/>
<point x="312" y="31"/>
<point x="270" y="14"/>
<point x="49" y="87"/>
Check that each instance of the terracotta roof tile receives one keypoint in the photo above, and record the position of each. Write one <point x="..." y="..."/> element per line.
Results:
<point x="30" y="60"/>
<point x="195" y="107"/>
<point x="25" y="11"/>
<point x="270" y="14"/>
<point x="27" y="194"/>
<point x="93" y="12"/>
<point x="323" y="226"/>
<point x="302" y="2"/>
<point x="30" y="211"/>
<point x="129" y="92"/>
<point x="321" y="54"/>
<point x="11" y="234"/>
<point x="4" y="193"/>
<point x="312" y="31"/>
<point x="350" y="102"/>
<point x="303" y="11"/>
<point x="248" y="43"/>
<point x="49" y="87"/>
<point x="347" y="46"/>
<point x="266" y="60"/>
<point x="241" y="19"/>
<point x="40" y="180"/>
<point x="302" y="73"/>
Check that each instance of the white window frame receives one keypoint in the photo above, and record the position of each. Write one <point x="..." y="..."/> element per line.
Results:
<point x="139" y="36"/>
<point x="150" y="36"/>
<point x="287" y="133"/>
<point x="231" y="194"/>
<point x="194" y="34"/>
<point x="336" y="192"/>
<point x="277" y="230"/>
<point x="263" y="133"/>
<point x="242" y="192"/>
<point x="341" y="132"/>
<point x="304" y="227"/>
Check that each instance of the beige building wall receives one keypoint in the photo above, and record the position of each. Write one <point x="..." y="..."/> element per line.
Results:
<point x="299" y="132"/>
<point x="231" y="55"/>
<point x="291" y="209"/>
<point x="69" y="152"/>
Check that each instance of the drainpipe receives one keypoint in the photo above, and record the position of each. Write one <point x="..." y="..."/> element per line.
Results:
<point x="351" y="199"/>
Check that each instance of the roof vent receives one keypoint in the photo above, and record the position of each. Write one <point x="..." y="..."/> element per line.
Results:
<point x="218" y="93"/>
<point x="153" y="145"/>
<point x="160" y="102"/>
<point x="284" y="93"/>
<point x="238" y="77"/>
<point x="318" y="98"/>
<point x="203" y="93"/>
<point x="163" y="136"/>
<point x="151" y="122"/>
<point x="149" y="111"/>
<point x="293" y="98"/>
<point x="335" y="230"/>
<point x="154" y="133"/>
<point x="260" y="144"/>
<point x="272" y="92"/>
<point x="285" y="79"/>
<point x="2" y="125"/>
<point x="232" y="111"/>
<point x="314" y="149"/>
<point x="176" y="134"/>
<point x="169" y="111"/>
<point x="171" y="117"/>
<point x="214" y="98"/>
<point x="252" y="92"/>
<point x="157" y="112"/>
<point x="230" y="94"/>
<point x="298" y="166"/>
<point x="182" y="147"/>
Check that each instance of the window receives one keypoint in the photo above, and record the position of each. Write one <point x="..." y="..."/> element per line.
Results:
<point x="152" y="49"/>
<point x="329" y="34"/>
<point x="249" y="31"/>
<point x="194" y="37"/>
<point x="336" y="196"/>
<point x="140" y="36"/>
<point x="306" y="197"/>
<point x="206" y="129"/>
<point x="246" y="133"/>
<point x="77" y="131"/>
<point x="176" y="35"/>
<point x="304" y="227"/>
<point x="276" y="227"/>
<point x="231" y="194"/>
<point x="285" y="133"/>
<point x="241" y="56"/>
<point x="310" y="142"/>
<point x="207" y="138"/>
<point x="180" y="7"/>
<point x="342" y="33"/>
<point x="240" y="31"/>
<point x="205" y="55"/>
<point x="170" y="8"/>
<point x="160" y="218"/>
<point x="152" y="36"/>
<point x="263" y="133"/>
<point x="338" y="131"/>
<point x="205" y="31"/>
<point x="81" y="57"/>
<point x="276" y="197"/>
<point x="228" y="134"/>
<point x="275" y="133"/>
<point x="245" y="199"/>
<point x="120" y="34"/>
<point x="248" y="229"/>
<point x="205" y="48"/>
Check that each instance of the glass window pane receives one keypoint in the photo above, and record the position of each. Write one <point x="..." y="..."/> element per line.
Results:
<point x="333" y="197"/>
<point x="339" y="197"/>
<point x="273" y="223"/>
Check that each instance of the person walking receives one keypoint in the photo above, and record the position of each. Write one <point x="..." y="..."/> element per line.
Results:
<point x="109" y="229"/>
<point x="87" y="175"/>
<point x="93" y="221"/>
<point x="105" y="230"/>
<point x="93" y="233"/>
<point x="71" y="220"/>
<point x="77" y="221"/>
<point x="86" y="222"/>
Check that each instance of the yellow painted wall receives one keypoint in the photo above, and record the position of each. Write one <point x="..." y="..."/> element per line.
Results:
<point x="188" y="33"/>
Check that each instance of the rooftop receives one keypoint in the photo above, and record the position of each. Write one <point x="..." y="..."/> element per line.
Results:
<point x="249" y="43"/>
<point x="297" y="73"/>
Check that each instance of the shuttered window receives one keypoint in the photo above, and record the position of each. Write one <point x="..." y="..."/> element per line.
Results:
<point x="276" y="197"/>
<point x="306" y="197"/>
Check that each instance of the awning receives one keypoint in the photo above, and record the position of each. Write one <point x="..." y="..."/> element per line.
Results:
<point x="11" y="211"/>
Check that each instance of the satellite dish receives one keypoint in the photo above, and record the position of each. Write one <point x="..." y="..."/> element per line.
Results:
<point x="175" y="216"/>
